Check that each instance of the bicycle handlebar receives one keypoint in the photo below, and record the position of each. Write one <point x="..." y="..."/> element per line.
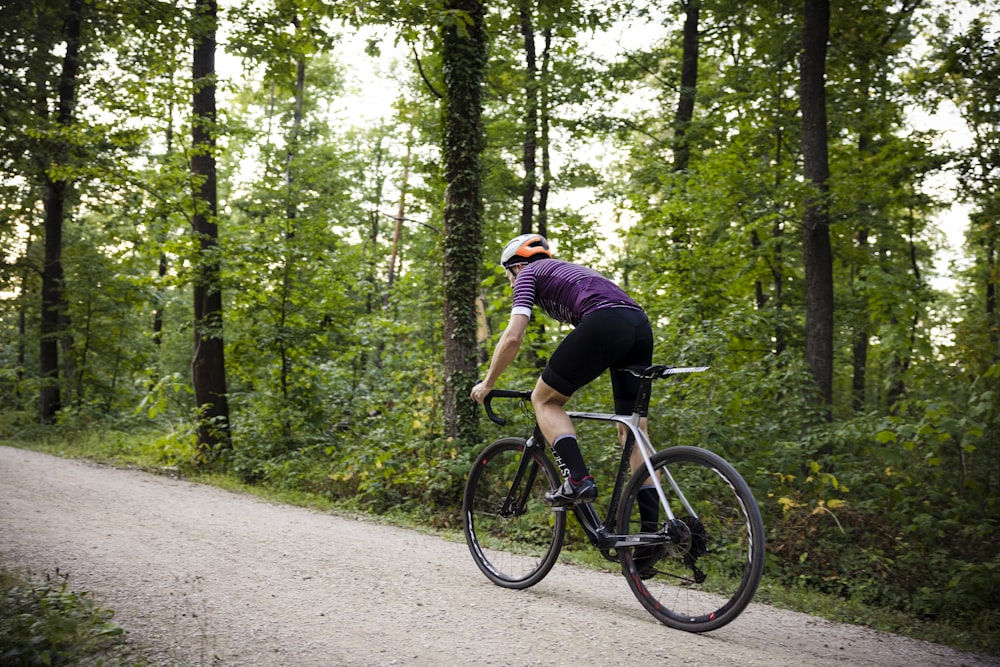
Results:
<point x="502" y="393"/>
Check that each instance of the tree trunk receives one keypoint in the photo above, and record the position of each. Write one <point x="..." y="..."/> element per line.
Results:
<point x="778" y="279"/>
<point x="760" y="297"/>
<point x="530" y="146"/>
<point x="54" y="316"/>
<point x="397" y="228"/>
<point x="161" y="274"/>
<point x="860" y="346"/>
<point x="860" y="343"/>
<point x="817" y="250"/>
<point x="543" y="109"/>
<point x="777" y="258"/>
<point x="22" y="326"/>
<point x="464" y="66"/>
<point x="291" y="227"/>
<point x="397" y="237"/>
<point x="689" y="86"/>
<point x="902" y="359"/>
<point x="208" y="364"/>
<point x="50" y="399"/>
<point x="161" y="268"/>
<point x="993" y="327"/>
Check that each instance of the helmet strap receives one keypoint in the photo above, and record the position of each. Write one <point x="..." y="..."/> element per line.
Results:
<point x="516" y="267"/>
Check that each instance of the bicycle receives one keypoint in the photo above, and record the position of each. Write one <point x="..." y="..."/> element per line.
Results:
<point x="695" y="570"/>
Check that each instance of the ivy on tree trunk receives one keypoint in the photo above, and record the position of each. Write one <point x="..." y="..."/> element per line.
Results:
<point x="464" y="66"/>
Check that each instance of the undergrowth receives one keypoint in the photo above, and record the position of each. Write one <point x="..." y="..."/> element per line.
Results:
<point x="43" y="622"/>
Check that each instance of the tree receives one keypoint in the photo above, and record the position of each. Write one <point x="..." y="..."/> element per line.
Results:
<point x="970" y="65"/>
<point x="530" y="117"/>
<point x="208" y="364"/>
<point x="879" y="164"/>
<point x="816" y="247"/>
<point x="463" y="64"/>
<point x="968" y="74"/>
<point x="689" y="85"/>
<point x="57" y="190"/>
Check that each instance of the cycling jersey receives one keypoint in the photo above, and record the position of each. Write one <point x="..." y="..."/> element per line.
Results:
<point x="567" y="292"/>
<point x="610" y="330"/>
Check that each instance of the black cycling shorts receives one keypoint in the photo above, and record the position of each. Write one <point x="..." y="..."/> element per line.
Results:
<point x="611" y="338"/>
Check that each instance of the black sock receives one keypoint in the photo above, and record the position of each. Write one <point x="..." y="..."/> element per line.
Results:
<point x="649" y="509"/>
<point x="569" y="458"/>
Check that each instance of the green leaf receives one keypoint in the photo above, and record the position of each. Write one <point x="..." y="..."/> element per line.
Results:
<point x="885" y="437"/>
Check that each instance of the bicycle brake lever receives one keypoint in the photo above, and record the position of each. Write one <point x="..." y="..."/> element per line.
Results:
<point x="502" y="393"/>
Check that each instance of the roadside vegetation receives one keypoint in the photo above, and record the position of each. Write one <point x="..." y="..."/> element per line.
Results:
<point x="43" y="622"/>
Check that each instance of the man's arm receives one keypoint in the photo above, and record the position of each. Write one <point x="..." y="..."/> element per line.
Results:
<point x="503" y="354"/>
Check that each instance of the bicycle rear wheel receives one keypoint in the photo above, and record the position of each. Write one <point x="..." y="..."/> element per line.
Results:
<point x="709" y="571"/>
<point x="513" y="533"/>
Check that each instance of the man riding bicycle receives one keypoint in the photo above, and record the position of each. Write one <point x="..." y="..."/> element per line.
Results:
<point x="611" y="331"/>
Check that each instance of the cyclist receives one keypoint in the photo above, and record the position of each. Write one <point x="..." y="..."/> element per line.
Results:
<point x="610" y="331"/>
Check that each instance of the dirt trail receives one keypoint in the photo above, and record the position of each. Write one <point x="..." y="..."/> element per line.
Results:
<point x="199" y="576"/>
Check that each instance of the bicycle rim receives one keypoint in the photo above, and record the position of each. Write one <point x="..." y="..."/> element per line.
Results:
<point x="708" y="576"/>
<point x="514" y="547"/>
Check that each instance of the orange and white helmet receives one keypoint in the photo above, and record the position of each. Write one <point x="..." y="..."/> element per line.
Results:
<point x="524" y="248"/>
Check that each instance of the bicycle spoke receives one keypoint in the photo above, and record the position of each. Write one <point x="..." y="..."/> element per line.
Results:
<point x="513" y="534"/>
<point x="710" y="568"/>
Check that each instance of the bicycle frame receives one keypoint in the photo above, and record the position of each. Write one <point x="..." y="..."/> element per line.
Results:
<point x="603" y="535"/>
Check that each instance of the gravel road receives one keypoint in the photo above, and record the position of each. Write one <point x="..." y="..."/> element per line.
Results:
<point x="200" y="576"/>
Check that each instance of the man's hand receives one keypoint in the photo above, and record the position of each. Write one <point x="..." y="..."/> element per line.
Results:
<point x="480" y="391"/>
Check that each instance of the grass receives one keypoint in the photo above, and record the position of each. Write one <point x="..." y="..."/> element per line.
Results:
<point x="155" y="453"/>
<point x="42" y="622"/>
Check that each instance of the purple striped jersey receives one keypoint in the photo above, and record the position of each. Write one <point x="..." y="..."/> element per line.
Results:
<point x="567" y="292"/>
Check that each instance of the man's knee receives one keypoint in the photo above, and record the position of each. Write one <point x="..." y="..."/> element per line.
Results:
<point x="545" y="396"/>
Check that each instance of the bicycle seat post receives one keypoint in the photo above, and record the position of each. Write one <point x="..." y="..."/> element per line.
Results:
<point x="646" y="376"/>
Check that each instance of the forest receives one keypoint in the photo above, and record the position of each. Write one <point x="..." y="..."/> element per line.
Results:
<point x="217" y="236"/>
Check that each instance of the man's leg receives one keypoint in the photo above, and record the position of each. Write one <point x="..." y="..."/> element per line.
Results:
<point x="648" y="501"/>
<point x="550" y="411"/>
<point x="558" y="429"/>
<point x="635" y="462"/>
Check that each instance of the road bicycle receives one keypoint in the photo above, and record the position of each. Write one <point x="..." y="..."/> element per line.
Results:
<point x="695" y="568"/>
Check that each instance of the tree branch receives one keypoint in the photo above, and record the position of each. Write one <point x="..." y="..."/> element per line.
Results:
<point x="420" y="68"/>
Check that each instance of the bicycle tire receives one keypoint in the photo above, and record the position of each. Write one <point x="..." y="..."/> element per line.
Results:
<point x="709" y="575"/>
<point x="513" y="549"/>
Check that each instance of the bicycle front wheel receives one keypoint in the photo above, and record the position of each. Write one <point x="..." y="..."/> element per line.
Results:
<point x="513" y="533"/>
<point x="708" y="571"/>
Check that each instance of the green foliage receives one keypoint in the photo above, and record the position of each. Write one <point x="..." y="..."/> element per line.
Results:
<point x="333" y="324"/>
<point x="46" y="623"/>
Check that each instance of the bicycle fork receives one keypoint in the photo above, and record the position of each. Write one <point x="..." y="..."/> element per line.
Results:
<point x="524" y="480"/>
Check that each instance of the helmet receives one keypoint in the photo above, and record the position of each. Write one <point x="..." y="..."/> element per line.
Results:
<point x="523" y="249"/>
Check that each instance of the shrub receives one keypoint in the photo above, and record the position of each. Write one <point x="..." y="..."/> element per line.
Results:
<point x="46" y="624"/>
